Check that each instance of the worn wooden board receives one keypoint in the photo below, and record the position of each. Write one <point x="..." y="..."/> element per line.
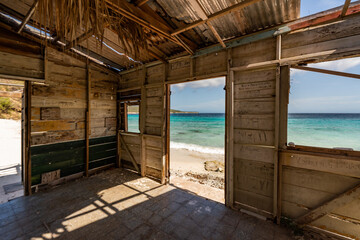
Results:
<point x="12" y="64"/>
<point x="255" y="153"/>
<point x="254" y="90"/>
<point x="256" y="137"/>
<point x="254" y="122"/>
<point x="49" y="113"/>
<point x="340" y="226"/>
<point x="254" y="200"/>
<point x="260" y="106"/>
<point x="322" y="162"/>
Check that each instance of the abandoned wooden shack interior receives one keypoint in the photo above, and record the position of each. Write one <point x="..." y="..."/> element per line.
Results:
<point x="83" y="62"/>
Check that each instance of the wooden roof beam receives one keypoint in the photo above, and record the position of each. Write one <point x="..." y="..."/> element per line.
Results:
<point x="80" y="39"/>
<point x="139" y="3"/>
<point x="201" y="13"/>
<point x="28" y="16"/>
<point x="216" y="15"/>
<point x="135" y="14"/>
<point x="325" y="71"/>
<point x="345" y="8"/>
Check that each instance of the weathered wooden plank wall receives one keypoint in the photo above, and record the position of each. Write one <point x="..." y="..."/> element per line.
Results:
<point x="59" y="117"/>
<point x="259" y="126"/>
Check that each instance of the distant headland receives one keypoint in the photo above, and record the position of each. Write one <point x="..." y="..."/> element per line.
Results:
<point x="135" y="110"/>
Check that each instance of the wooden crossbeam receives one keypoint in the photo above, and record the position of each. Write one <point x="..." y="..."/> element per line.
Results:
<point x="139" y="3"/>
<point x="216" y="15"/>
<point x="80" y="39"/>
<point x="130" y="154"/>
<point x="345" y="8"/>
<point x="201" y="13"/>
<point x="137" y="15"/>
<point x="213" y="30"/>
<point x="28" y="16"/>
<point x="339" y="201"/>
<point x="331" y="72"/>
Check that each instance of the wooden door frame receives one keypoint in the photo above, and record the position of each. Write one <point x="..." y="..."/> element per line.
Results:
<point x="228" y="132"/>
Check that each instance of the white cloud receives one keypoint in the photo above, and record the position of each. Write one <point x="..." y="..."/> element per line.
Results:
<point x="214" y="82"/>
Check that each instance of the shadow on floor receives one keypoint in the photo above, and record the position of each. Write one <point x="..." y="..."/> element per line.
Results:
<point x="10" y="183"/>
<point x="118" y="204"/>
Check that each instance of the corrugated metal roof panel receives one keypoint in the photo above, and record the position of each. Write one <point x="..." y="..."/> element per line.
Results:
<point x="250" y="19"/>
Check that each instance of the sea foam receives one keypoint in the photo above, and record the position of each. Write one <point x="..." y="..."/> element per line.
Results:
<point x="196" y="148"/>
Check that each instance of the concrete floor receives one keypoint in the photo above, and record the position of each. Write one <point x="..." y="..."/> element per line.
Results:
<point x="118" y="204"/>
<point x="10" y="159"/>
<point x="10" y="175"/>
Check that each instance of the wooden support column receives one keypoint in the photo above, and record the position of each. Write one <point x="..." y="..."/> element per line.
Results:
<point x="46" y="67"/>
<point x="167" y="124"/>
<point x="229" y="134"/>
<point x="277" y="165"/>
<point x="142" y="116"/>
<point x="118" y="126"/>
<point x="27" y="92"/>
<point x="88" y="118"/>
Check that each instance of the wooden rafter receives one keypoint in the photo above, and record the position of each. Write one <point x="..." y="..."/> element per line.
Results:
<point x="80" y="39"/>
<point x="216" y="15"/>
<point x="201" y="13"/>
<point x="153" y="54"/>
<point x="339" y="201"/>
<point x="345" y="8"/>
<point x="331" y="72"/>
<point x="28" y="16"/>
<point x="139" y="3"/>
<point x="135" y="14"/>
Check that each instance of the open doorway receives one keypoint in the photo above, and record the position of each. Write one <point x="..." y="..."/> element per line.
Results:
<point x="197" y="137"/>
<point x="11" y="105"/>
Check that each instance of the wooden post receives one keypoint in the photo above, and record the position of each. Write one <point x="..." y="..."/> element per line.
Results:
<point x="88" y="118"/>
<point x="27" y="92"/>
<point x="277" y="171"/>
<point x="167" y="121"/>
<point x="118" y="126"/>
<point x="46" y="68"/>
<point x="142" y="117"/>
<point x="229" y="135"/>
<point x="125" y="110"/>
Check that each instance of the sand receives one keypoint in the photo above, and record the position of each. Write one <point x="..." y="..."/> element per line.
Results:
<point x="190" y="165"/>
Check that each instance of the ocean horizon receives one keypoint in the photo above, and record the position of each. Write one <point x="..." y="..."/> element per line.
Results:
<point x="205" y="132"/>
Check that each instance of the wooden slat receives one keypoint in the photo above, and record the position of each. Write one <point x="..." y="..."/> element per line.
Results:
<point x="80" y="39"/>
<point x="200" y="11"/>
<point x="331" y="72"/>
<point x="326" y="208"/>
<point x="345" y="8"/>
<point x="88" y="119"/>
<point x="28" y="16"/>
<point x="27" y="183"/>
<point x="347" y="166"/>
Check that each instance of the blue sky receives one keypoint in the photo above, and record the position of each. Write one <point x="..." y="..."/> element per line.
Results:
<point x="310" y="92"/>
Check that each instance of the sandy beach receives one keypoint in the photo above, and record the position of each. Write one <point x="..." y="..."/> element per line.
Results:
<point x="191" y="166"/>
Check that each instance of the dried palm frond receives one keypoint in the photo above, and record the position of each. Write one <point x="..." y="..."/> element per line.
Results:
<point x="68" y="17"/>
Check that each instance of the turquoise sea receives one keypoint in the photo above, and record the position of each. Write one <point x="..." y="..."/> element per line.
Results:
<point x="204" y="132"/>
